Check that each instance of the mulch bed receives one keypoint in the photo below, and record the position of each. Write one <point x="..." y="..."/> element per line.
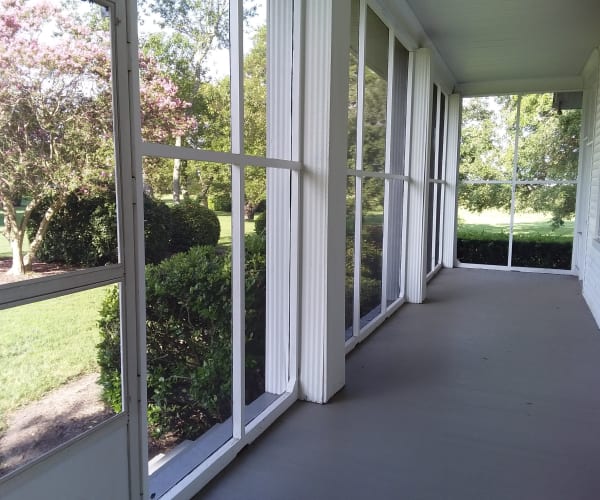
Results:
<point x="39" y="269"/>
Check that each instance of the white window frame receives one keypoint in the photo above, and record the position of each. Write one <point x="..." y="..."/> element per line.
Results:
<point x="359" y="333"/>
<point x="289" y="160"/>
<point x="126" y="272"/>
<point x="439" y="178"/>
<point x="513" y="183"/>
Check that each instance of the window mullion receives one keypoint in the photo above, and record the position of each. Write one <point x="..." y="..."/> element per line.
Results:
<point x="237" y="218"/>
<point x="388" y="160"/>
<point x="513" y="188"/>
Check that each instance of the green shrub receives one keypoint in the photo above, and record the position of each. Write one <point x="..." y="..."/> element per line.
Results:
<point x="370" y="271"/>
<point x="541" y="254"/>
<point x="84" y="231"/>
<point x="188" y="339"/>
<point x="260" y="223"/>
<point x="109" y="349"/>
<point x="157" y="228"/>
<point x="192" y="225"/>
<point x="220" y="202"/>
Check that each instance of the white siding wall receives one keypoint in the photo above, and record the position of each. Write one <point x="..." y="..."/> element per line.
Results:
<point x="591" y="142"/>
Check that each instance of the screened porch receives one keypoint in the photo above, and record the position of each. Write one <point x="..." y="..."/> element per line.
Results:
<point x="488" y="390"/>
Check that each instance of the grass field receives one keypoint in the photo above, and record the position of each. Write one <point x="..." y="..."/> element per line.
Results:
<point x="493" y="224"/>
<point x="45" y="344"/>
<point x="225" y="221"/>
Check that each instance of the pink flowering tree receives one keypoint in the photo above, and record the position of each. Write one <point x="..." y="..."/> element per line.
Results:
<point x="56" y="114"/>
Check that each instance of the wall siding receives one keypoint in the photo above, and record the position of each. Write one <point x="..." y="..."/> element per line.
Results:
<point x="591" y="272"/>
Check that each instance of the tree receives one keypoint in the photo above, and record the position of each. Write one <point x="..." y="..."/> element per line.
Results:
<point x="191" y="29"/>
<point x="548" y="150"/>
<point x="56" y="113"/>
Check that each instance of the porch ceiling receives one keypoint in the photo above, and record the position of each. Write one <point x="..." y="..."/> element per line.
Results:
<point x="484" y="42"/>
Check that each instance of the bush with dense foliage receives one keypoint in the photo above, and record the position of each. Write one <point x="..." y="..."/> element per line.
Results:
<point x="193" y="224"/>
<point x="370" y="271"/>
<point x="220" y="202"/>
<point x="540" y="254"/>
<point x="260" y="223"/>
<point x="188" y="332"/>
<point x="84" y="231"/>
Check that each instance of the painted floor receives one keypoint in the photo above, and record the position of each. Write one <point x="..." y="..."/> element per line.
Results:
<point x="490" y="390"/>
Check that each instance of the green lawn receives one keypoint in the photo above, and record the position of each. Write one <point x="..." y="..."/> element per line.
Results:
<point x="494" y="224"/>
<point x="225" y="221"/>
<point x="45" y="344"/>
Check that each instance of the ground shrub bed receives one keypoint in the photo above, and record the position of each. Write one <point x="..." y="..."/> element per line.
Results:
<point x="188" y="329"/>
<point x="370" y="272"/>
<point x="539" y="254"/>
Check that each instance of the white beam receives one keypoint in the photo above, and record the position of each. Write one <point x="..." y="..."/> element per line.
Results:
<point x="327" y="43"/>
<point x="279" y="145"/>
<point x="419" y="172"/>
<point x="452" y="160"/>
<point x="524" y="86"/>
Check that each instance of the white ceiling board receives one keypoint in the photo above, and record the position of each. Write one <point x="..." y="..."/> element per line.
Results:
<point x="502" y="41"/>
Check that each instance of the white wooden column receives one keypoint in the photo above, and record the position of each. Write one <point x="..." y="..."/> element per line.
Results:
<point x="322" y="353"/>
<point x="450" y="198"/>
<point x="416" y="247"/>
<point x="395" y="163"/>
<point x="279" y="145"/>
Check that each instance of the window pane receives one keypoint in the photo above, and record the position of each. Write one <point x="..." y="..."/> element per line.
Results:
<point x="431" y="206"/>
<point x="434" y="129"/>
<point x="353" y="83"/>
<point x="255" y="78"/>
<point x="543" y="226"/>
<point x="188" y="316"/>
<point x="398" y="118"/>
<point x="350" y="252"/>
<point x="487" y="138"/>
<point x="372" y="249"/>
<point x="441" y="140"/>
<point x="375" y="99"/>
<point x="185" y="73"/>
<point x="438" y="224"/>
<point x="395" y="216"/>
<point x="482" y="232"/>
<point x="60" y="371"/>
<point x="548" y="141"/>
<point x="267" y="297"/>
<point x="57" y="193"/>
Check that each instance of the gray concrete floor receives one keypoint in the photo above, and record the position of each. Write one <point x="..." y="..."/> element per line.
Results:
<point x="490" y="390"/>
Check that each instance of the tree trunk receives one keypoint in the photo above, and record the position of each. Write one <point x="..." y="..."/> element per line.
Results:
<point x="35" y="244"/>
<point x="177" y="174"/>
<point x="17" y="258"/>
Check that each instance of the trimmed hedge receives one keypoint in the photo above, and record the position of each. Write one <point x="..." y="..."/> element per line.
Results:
<point x="84" y="231"/>
<point x="549" y="255"/>
<point x="192" y="225"/>
<point x="188" y="331"/>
